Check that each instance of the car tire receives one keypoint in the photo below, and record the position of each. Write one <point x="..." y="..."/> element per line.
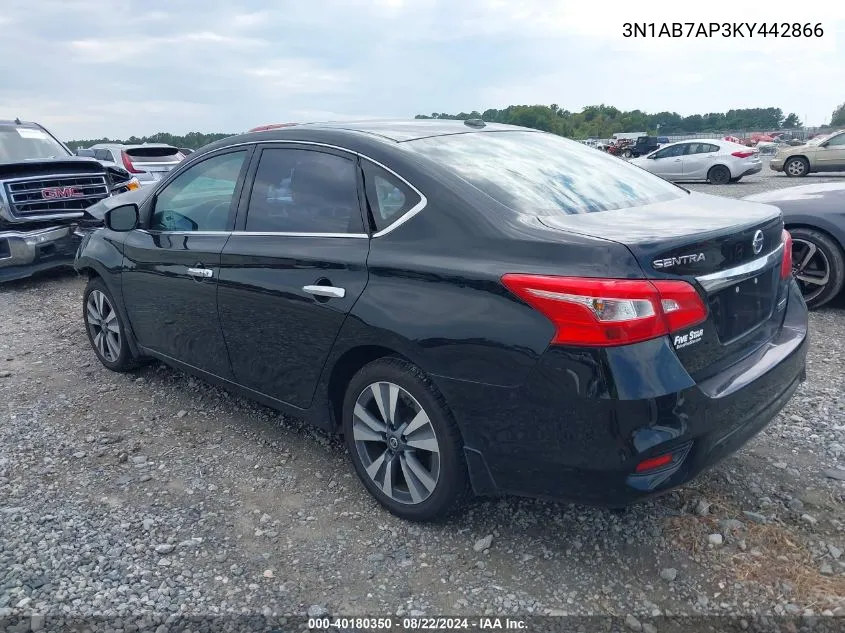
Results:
<point x="627" y="154"/>
<point x="797" y="167"/>
<point x="735" y="180"/>
<point x="817" y="251"/>
<point x="419" y="475"/>
<point x="719" y="175"/>
<point x="105" y="327"/>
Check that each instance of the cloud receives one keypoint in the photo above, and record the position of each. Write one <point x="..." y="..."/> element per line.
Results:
<point x="142" y="67"/>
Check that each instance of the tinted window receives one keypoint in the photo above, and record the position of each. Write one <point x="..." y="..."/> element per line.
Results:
<point x="702" y="148"/>
<point x="389" y="197"/>
<point x="671" y="152"/>
<point x="537" y="173"/>
<point x="302" y="191"/>
<point x="200" y="198"/>
<point x="103" y="154"/>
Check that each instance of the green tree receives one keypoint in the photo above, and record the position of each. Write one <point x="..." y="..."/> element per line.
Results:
<point x="791" y="121"/>
<point x="838" y="117"/>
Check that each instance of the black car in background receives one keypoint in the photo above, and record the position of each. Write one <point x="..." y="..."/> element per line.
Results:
<point x="476" y="307"/>
<point x="815" y="216"/>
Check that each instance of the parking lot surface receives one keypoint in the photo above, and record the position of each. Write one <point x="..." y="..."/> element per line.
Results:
<point x="155" y="492"/>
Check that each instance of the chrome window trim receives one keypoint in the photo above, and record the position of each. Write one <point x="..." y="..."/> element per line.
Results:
<point x="410" y="213"/>
<point x="724" y="278"/>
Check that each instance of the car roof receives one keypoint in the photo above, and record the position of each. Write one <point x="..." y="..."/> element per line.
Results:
<point x="397" y="130"/>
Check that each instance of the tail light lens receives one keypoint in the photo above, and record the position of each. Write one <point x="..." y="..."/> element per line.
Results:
<point x="127" y="163"/>
<point x="786" y="263"/>
<point x="608" y="312"/>
<point x="743" y="153"/>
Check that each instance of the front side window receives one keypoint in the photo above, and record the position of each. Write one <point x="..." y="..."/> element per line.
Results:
<point x="201" y="197"/>
<point x="304" y="191"/>
<point x="389" y="197"/>
<point x="836" y="141"/>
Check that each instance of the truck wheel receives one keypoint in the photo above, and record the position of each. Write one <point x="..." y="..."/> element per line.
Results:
<point x="627" y="153"/>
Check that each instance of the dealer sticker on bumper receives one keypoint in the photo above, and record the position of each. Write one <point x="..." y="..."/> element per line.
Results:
<point x="691" y="338"/>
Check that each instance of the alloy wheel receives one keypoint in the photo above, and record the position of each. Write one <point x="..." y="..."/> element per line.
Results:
<point x="796" y="168"/>
<point x="810" y="268"/>
<point x="396" y="442"/>
<point x="104" y="326"/>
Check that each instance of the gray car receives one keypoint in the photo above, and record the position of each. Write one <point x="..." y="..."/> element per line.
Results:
<point x="149" y="162"/>
<point x="815" y="216"/>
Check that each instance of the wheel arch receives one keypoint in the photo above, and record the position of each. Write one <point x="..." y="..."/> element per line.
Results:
<point x="349" y="363"/>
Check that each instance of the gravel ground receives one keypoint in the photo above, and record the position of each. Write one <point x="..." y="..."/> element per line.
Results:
<point x="156" y="493"/>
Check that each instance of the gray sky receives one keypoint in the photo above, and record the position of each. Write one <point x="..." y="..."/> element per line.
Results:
<point x="88" y="68"/>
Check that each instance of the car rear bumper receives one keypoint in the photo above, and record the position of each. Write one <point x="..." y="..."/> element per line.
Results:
<point x="24" y="253"/>
<point x="586" y="419"/>
<point x="752" y="169"/>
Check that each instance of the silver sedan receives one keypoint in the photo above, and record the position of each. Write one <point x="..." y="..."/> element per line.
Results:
<point x="716" y="161"/>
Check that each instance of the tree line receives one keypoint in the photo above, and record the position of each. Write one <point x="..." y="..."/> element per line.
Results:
<point x="599" y="121"/>
<point x="191" y="140"/>
<point x="602" y="121"/>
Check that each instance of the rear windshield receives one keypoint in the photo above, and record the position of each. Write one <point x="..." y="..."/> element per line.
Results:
<point x="154" y="154"/>
<point x="545" y="174"/>
<point x="19" y="143"/>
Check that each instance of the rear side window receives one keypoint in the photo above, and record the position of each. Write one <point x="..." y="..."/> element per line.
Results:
<point x="543" y="174"/>
<point x="303" y="191"/>
<point x="389" y="197"/>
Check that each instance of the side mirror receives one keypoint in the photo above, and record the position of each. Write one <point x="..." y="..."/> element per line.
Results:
<point x="123" y="218"/>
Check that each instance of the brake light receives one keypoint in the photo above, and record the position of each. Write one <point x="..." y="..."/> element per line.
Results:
<point x="743" y="153"/>
<point x="608" y="312"/>
<point x="653" y="463"/>
<point x="786" y="262"/>
<point x="127" y="163"/>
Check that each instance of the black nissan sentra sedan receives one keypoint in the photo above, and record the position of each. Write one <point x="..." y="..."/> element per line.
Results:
<point x="478" y="308"/>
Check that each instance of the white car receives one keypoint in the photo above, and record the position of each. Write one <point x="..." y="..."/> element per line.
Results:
<point x="716" y="161"/>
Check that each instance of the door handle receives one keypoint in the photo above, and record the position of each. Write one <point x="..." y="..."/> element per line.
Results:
<point x="325" y="291"/>
<point x="201" y="272"/>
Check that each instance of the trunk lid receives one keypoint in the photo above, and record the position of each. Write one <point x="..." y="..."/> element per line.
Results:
<point x="728" y="249"/>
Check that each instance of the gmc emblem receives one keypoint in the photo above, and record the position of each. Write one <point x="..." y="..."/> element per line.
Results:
<point x="55" y="193"/>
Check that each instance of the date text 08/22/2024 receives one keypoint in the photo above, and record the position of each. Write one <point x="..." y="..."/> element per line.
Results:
<point x="723" y="29"/>
<point x="421" y="623"/>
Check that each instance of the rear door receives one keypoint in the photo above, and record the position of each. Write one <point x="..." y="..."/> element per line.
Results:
<point x="698" y="159"/>
<point x="293" y="269"/>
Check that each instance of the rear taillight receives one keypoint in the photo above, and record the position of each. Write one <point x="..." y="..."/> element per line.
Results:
<point x="127" y="163"/>
<point x="743" y="153"/>
<point x="606" y="312"/>
<point x="653" y="463"/>
<point x="786" y="262"/>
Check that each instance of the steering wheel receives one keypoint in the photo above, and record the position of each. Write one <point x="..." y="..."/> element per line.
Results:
<point x="214" y="208"/>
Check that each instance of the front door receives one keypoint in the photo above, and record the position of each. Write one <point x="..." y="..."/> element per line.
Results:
<point x="831" y="157"/>
<point x="668" y="162"/>
<point x="171" y="266"/>
<point x="292" y="270"/>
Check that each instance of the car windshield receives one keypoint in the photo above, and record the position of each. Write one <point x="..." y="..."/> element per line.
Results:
<point x="19" y="143"/>
<point x="544" y="174"/>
